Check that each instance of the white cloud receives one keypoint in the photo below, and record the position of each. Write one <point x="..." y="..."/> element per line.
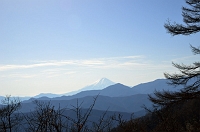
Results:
<point x="18" y="75"/>
<point x="56" y="68"/>
<point x="90" y="62"/>
<point x="41" y="64"/>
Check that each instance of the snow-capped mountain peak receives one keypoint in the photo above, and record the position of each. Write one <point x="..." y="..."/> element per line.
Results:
<point x="97" y="85"/>
<point x="103" y="82"/>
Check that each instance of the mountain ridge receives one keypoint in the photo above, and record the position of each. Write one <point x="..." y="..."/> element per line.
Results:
<point x="118" y="90"/>
<point x="97" y="85"/>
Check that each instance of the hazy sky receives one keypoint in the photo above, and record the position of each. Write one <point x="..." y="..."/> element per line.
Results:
<point x="57" y="46"/>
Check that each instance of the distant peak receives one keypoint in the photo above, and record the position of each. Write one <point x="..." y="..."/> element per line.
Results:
<point x="103" y="81"/>
<point x="98" y="85"/>
<point x="104" y="78"/>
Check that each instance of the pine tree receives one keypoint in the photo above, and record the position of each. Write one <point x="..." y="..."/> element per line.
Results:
<point x="189" y="76"/>
<point x="191" y="18"/>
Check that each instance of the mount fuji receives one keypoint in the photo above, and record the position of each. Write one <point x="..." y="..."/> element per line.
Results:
<point x="97" y="85"/>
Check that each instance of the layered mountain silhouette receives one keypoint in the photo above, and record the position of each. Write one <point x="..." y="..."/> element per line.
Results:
<point x="150" y="87"/>
<point x="120" y="90"/>
<point x="116" y="90"/>
<point x="106" y="87"/>
<point x="114" y="97"/>
<point x="128" y="104"/>
<point x="50" y="95"/>
<point x="97" y="85"/>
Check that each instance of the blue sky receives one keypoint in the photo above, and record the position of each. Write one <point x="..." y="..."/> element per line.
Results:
<point x="51" y="46"/>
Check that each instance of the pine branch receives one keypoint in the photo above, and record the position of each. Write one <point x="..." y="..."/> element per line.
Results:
<point x="178" y="29"/>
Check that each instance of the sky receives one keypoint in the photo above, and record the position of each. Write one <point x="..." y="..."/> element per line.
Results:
<point x="58" y="46"/>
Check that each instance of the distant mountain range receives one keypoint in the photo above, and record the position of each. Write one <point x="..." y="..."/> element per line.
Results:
<point x="117" y="97"/>
<point x="128" y="104"/>
<point x="117" y="90"/>
<point x="102" y="87"/>
<point x="49" y="95"/>
<point x="150" y="87"/>
<point x="97" y="85"/>
<point x="106" y="87"/>
<point x="114" y="97"/>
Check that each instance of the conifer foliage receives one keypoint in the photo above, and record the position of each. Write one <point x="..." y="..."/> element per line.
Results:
<point x="191" y="18"/>
<point x="189" y="76"/>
